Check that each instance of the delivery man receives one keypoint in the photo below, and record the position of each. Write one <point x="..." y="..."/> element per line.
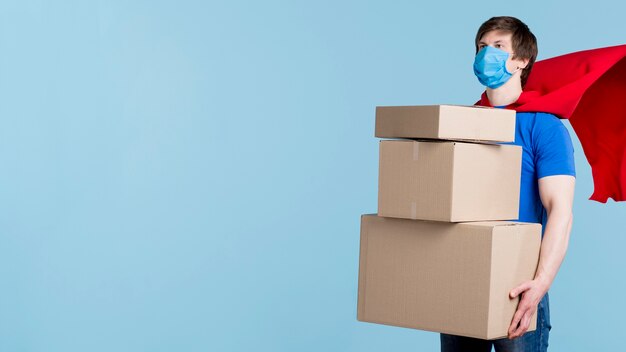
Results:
<point x="506" y="50"/>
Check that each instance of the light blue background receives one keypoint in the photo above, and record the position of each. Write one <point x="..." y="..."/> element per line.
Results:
<point x="189" y="176"/>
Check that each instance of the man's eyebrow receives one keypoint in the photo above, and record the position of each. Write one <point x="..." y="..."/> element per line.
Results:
<point x="497" y="41"/>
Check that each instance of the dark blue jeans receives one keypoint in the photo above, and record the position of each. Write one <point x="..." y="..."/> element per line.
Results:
<point x="532" y="341"/>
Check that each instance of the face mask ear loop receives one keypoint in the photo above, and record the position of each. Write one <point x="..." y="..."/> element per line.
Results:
<point x="512" y="73"/>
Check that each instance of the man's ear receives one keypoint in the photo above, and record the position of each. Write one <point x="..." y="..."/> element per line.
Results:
<point x="525" y="61"/>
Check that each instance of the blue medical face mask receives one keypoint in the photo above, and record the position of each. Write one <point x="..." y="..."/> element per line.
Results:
<point x="490" y="67"/>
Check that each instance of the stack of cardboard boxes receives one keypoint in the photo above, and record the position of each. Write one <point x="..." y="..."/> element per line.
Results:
<point x="440" y="254"/>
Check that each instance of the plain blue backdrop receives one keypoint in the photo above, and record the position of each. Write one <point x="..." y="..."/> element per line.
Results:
<point x="189" y="175"/>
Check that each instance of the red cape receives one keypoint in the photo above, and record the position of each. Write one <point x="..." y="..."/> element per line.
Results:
<point x="586" y="87"/>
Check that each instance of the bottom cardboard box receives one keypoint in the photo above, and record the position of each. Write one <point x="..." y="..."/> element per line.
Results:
<point x="445" y="277"/>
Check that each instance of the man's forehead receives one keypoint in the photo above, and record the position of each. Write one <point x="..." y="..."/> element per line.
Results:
<point x="495" y="36"/>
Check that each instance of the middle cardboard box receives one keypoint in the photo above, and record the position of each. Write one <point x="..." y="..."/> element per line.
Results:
<point x="449" y="181"/>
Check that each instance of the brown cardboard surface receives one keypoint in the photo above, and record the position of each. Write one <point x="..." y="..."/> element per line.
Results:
<point x="444" y="277"/>
<point x="449" y="180"/>
<point x="456" y="122"/>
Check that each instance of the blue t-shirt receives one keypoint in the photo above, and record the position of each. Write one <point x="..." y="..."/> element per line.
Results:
<point x="546" y="150"/>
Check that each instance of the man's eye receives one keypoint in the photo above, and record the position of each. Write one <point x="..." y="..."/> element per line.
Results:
<point x="498" y="45"/>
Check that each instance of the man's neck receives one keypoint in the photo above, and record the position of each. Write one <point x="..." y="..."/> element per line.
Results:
<point x="506" y="94"/>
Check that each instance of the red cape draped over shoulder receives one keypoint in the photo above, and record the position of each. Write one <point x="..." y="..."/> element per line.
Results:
<point x="586" y="87"/>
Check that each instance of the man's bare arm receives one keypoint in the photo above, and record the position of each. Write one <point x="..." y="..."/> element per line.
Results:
<point x="557" y="196"/>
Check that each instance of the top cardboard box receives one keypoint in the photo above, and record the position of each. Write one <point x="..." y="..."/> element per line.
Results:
<point x="453" y="122"/>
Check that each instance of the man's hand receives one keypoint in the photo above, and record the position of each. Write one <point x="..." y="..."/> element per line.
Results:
<point x="531" y="293"/>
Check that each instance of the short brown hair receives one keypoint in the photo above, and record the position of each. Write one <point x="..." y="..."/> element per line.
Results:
<point x="523" y="40"/>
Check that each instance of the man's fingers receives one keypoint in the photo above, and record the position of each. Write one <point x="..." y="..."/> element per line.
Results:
<point x="523" y="325"/>
<point x="521" y="318"/>
<point x="519" y="289"/>
<point x="516" y="320"/>
<point x="526" y="321"/>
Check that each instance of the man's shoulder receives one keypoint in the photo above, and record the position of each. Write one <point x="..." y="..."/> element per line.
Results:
<point x="540" y="120"/>
<point x="539" y="114"/>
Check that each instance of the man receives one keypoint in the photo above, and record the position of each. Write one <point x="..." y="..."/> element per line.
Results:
<point x="506" y="51"/>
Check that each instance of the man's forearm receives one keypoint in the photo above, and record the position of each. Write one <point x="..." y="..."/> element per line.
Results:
<point x="554" y="245"/>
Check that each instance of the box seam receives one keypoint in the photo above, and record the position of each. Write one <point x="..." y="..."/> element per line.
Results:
<point x="362" y="269"/>
<point x="438" y="132"/>
<point x="489" y="307"/>
<point x="451" y="198"/>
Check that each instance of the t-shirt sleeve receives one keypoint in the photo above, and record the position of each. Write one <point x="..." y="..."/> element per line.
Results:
<point x="554" y="151"/>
